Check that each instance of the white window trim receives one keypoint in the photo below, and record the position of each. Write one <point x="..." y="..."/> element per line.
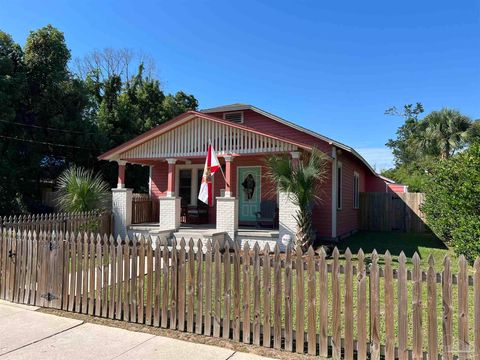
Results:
<point x="194" y="188"/>
<point x="356" y="190"/>
<point x="339" y="193"/>
<point x="234" y="112"/>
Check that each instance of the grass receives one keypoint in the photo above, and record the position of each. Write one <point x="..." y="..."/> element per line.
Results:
<point x="425" y="244"/>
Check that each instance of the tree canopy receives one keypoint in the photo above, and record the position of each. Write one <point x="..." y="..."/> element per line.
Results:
<point x="53" y="116"/>
<point x="420" y="143"/>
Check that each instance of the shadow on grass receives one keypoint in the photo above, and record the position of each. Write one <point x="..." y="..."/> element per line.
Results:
<point x="409" y="243"/>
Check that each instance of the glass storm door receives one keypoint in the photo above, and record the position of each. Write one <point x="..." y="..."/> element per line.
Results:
<point x="249" y="192"/>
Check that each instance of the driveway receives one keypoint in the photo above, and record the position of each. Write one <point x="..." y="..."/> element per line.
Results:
<point x="28" y="334"/>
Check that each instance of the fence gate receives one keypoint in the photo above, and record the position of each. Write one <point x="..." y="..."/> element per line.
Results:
<point x="51" y="276"/>
<point x="31" y="269"/>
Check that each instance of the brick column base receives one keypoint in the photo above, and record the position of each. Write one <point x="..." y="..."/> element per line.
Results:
<point x="227" y="216"/>
<point x="286" y="217"/>
<point x="121" y="210"/>
<point x="169" y="213"/>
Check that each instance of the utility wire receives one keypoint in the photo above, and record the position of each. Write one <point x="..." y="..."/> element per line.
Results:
<point x="46" y="143"/>
<point x="53" y="129"/>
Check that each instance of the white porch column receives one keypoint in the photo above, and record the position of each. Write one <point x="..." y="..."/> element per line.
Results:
<point x="227" y="216"/>
<point x="287" y="225"/>
<point x="121" y="210"/>
<point x="287" y="211"/>
<point x="169" y="213"/>
<point x="170" y="204"/>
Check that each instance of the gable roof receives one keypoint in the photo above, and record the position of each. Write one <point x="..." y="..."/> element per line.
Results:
<point x="114" y="154"/>
<point x="242" y="107"/>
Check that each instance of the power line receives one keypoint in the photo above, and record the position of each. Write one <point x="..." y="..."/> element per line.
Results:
<point x="53" y="129"/>
<point x="45" y="143"/>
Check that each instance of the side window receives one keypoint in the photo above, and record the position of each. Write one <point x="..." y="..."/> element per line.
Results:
<point x="356" y="190"/>
<point x="339" y="186"/>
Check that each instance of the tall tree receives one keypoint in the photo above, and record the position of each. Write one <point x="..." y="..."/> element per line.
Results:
<point x="14" y="162"/>
<point x="443" y="132"/>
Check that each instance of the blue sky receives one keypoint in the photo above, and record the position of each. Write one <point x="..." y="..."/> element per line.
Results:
<point x="333" y="67"/>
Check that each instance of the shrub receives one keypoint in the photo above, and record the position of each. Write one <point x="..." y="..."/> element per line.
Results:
<point x="452" y="204"/>
<point x="80" y="190"/>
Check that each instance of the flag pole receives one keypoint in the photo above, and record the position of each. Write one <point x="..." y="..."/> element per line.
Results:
<point x="221" y="170"/>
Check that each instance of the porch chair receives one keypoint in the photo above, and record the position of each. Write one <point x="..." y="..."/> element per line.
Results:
<point x="267" y="213"/>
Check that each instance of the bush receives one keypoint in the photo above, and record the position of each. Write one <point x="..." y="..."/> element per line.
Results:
<point x="452" y="204"/>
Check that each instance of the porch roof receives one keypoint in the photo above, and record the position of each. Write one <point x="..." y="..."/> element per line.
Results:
<point x="188" y="136"/>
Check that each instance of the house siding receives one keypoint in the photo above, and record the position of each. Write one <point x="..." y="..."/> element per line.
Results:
<point x="347" y="217"/>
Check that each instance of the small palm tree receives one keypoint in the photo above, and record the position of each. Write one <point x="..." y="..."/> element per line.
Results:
<point x="80" y="190"/>
<point x="302" y="184"/>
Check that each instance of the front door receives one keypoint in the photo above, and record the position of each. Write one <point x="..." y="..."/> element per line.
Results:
<point x="249" y="192"/>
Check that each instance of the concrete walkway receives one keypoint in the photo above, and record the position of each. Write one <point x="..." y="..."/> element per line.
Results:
<point x="27" y="334"/>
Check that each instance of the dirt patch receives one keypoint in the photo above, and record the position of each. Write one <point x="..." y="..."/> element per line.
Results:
<point x="175" y="334"/>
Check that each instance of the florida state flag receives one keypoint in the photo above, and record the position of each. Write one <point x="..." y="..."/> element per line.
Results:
<point x="211" y="165"/>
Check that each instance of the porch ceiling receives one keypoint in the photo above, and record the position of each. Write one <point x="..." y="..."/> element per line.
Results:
<point x="189" y="137"/>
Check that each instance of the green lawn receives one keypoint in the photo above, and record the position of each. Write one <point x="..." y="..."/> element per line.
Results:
<point x="395" y="243"/>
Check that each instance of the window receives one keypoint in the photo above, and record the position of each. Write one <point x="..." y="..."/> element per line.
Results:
<point x="236" y="117"/>
<point x="339" y="186"/>
<point x="356" y="190"/>
<point x="185" y="185"/>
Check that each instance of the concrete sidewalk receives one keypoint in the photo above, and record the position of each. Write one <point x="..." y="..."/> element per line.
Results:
<point x="27" y="334"/>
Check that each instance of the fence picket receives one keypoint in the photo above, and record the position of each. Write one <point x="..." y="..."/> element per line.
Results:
<point x="323" y="306"/>
<point x="311" y="303"/>
<point x="199" y="260"/>
<point x="141" y="281"/>
<point x="348" y="306"/>
<point x="389" y="309"/>
<point x="267" y="296"/>
<point x="300" y="308"/>
<point x="119" y="286"/>
<point x="432" y="310"/>
<point x="256" y="294"/>
<point x="190" y="286"/>
<point x="236" y="291"/>
<point x="476" y="309"/>
<point x="447" y="326"/>
<point x="226" y="292"/>
<point x="98" y="276"/>
<point x="207" y="330"/>
<point x="336" y="324"/>
<point x="374" y="308"/>
<point x="361" y="304"/>
<point x="159" y="267"/>
<point x="463" y="344"/>
<point x="181" y="287"/>
<point x="277" y="304"/>
<point x="126" y="280"/>
<point x="417" y="308"/>
<point x="166" y="256"/>
<point x="133" y="279"/>
<point x="113" y="277"/>
<point x="217" y="314"/>
<point x="402" y="308"/>
<point x="150" y="284"/>
<point x="246" y="294"/>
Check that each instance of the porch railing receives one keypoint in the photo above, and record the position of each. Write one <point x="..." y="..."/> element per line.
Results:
<point x="144" y="209"/>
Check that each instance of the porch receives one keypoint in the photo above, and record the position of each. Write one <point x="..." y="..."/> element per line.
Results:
<point x="176" y="155"/>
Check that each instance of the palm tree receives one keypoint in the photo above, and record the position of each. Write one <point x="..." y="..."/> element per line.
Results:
<point x="302" y="184"/>
<point x="80" y="190"/>
<point x="444" y="132"/>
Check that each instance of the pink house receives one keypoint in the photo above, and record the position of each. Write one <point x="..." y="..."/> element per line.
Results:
<point x="242" y="136"/>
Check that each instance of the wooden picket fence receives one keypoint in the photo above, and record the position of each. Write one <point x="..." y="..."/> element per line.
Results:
<point x="298" y="303"/>
<point x="143" y="209"/>
<point x="98" y="221"/>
